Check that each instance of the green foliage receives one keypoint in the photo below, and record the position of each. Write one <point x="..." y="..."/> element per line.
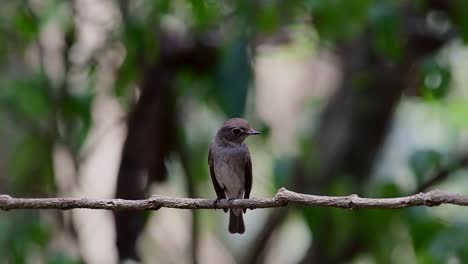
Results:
<point x="233" y="77"/>
<point x="32" y="159"/>
<point x="27" y="97"/>
<point x="283" y="172"/>
<point x="44" y="113"/>
<point x="21" y="232"/>
<point x="139" y="36"/>
<point x="340" y="19"/>
<point x="435" y="79"/>
<point x="137" y="42"/>
<point x="423" y="228"/>
<point x="461" y="19"/>
<point x="26" y="23"/>
<point x="423" y="162"/>
<point x="198" y="161"/>
<point x="385" y="22"/>
<point x="268" y="19"/>
<point x="24" y="232"/>
<point x="76" y="113"/>
<point x="206" y="13"/>
<point x="376" y="228"/>
<point x="457" y="113"/>
<point x="449" y="244"/>
<point x="62" y="258"/>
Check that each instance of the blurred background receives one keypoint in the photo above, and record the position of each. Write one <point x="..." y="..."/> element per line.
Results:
<point x="107" y="98"/>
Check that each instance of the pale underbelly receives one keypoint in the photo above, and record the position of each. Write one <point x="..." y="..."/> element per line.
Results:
<point x="231" y="179"/>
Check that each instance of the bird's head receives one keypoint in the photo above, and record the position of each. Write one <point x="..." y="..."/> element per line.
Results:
<point x="235" y="130"/>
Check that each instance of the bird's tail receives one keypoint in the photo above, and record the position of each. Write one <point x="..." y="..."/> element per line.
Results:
<point x="236" y="222"/>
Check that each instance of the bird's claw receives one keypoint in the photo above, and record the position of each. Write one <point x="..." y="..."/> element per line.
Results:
<point x="215" y="204"/>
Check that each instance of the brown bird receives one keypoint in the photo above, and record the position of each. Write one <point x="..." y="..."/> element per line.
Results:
<point x="231" y="167"/>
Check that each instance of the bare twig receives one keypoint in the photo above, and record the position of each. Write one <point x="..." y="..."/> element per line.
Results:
<point x="282" y="198"/>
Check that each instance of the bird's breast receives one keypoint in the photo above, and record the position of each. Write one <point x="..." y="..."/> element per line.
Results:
<point x="229" y="166"/>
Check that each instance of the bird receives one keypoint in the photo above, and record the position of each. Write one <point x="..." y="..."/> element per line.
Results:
<point x="231" y="167"/>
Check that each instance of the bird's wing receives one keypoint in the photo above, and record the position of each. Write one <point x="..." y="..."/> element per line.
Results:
<point x="219" y="191"/>
<point x="248" y="176"/>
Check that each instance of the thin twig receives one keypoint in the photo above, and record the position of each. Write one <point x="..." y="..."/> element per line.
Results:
<point x="282" y="198"/>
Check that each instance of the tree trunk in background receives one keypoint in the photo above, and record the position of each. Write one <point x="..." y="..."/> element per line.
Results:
<point x="148" y="142"/>
<point x="354" y="125"/>
<point x="357" y="119"/>
<point x="153" y="131"/>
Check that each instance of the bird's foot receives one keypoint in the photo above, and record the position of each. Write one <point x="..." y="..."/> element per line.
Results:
<point x="215" y="204"/>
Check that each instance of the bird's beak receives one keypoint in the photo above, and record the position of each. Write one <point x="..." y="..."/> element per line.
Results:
<point x="253" y="132"/>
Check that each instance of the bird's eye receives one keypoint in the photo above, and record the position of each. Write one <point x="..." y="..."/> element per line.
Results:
<point x="236" y="131"/>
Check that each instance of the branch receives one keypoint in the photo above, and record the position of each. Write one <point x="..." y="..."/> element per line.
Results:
<point x="282" y="198"/>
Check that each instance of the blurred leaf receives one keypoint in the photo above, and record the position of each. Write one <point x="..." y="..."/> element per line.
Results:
<point x="198" y="161"/>
<point x="38" y="233"/>
<point x="422" y="162"/>
<point x="142" y="49"/>
<point x="340" y="224"/>
<point x="385" y="22"/>
<point x="313" y="217"/>
<point x="3" y="47"/>
<point x="283" y="170"/>
<point x="193" y="85"/>
<point x="435" y="79"/>
<point x="77" y="116"/>
<point x="375" y="227"/>
<point x="24" y="234"/>
<point x="344" y="224"/>
<point x="423" y="228"/>
<point x="426" y="258"/>
<point x="28" y="97"/>
<point x="342" y="185"/>
<point x="26" y="24"/>
<point x="339" y="19"/>
<point x="264" y="129"/>
<point x="157" y="8"/>
<point x="450" y="243"/>
<point x="128" y="75"/>
<point x="205" y="13"/>
<point x="233" y="78"/>
<point x="268" y="18"/>
<point x="461" y="18"/>
<point x="458" y="113"/>
<point x="32" y="157"/>
<point x="387" y="190"/>
<point x="362" y="81"/>
<point x="62" y="258"/>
